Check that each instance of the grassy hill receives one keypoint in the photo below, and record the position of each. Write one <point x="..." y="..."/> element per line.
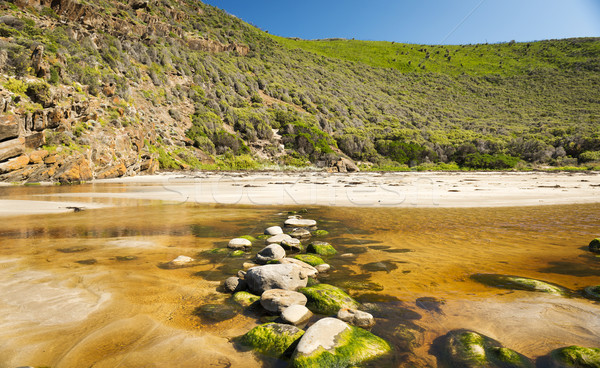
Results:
<point x="231" y="94"/>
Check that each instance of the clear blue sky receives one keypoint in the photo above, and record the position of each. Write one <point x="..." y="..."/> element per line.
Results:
<point x="421" y="21"/>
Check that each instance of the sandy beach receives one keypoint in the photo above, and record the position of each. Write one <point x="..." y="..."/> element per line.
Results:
<point x="425" y="190"/>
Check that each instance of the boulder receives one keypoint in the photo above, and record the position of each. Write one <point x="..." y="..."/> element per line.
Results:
<point x="276" y="300"/>
<point x="292" y="245"/>
<point x="323" y="267"/>
<point x="575" y="357"/>
<point x="9" y="126"/>
<point x="274" y="230"/>
<point x="239" y="244"/>
<point x="181" y="261"/>
<point x="216" y="312"/>
<point x="272" y="339"/>
<point x="321" y="248"/>
<point x="303" y="223"/>
<point x="234" y="284"/>
<point x="327" y="299"/>
<point x="300" y="234"/>
<point x="277" y="239"/>
<point x="296" y="314"/>
<point x="320" y="233"/>
<point x="310" y="259"/>
<point x="307" y="269"/>
<point x="244" y="298"/>
<point x="12" y="148"/>
<point x="356" y="318"/>
<point x="273" y="252"/>
<point x="275" y="276"/>
<point x="469" y="349"/>
<point x="37" y="157"/>
<point x="595" y="245"/>
<point x="13" y="164"/>
<point x="519" y="283"/>
<point x="333" y="343"/>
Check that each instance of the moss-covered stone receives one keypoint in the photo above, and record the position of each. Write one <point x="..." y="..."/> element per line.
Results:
<point x="327" y="299"/>
<point x="237" y="253"/>
<point x="595" y="245"/>
<point x="244" y="298"/>
<point x="575" y="357"/>
<point x="263" y="236"/>
<point x="248" y="237"/>
<point x="321" y="248"/>
<point x="351" y="346"/>
<point x="311" y="259"/>
<point x="318" y="233"/>
<point x="469" y="349"/>
<point x="216" y="312"/>
<point x="519" y="283"/>
<point x="273" y="339"/>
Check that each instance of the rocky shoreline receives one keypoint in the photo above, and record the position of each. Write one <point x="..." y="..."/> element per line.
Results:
<point x="309" y="323"/>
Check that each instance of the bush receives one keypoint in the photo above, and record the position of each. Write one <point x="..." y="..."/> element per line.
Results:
<point x="589" y="156"/>
<point x="490" y="162"/>
<point x="39" y="93"/>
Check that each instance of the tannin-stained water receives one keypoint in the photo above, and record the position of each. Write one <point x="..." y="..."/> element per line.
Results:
<point x="88" y="289"/>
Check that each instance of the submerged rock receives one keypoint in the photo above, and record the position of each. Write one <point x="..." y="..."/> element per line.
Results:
<point x="273" y="339"/>
<point x="469" y="349"/>
<point x="575" y="357"/>
<point x="273" y="252"/>
<point x="333" y="343"/>
<point x="276" y="300"/>
<point x="276" y="276"/>
<point x="380" y="266"/>
<point x="239" y="244"/>
<point x="296" y="314"/>
<point x="216" y="312"/>
<point x="181" y="261"/>
<point x="518" y="283"/>
<point x="356" y="318"/>
<point x="595" y="245"/>
<point x="323" y="267"/>
<point x="300" y="234"/>
<point x="321" y="248"/>
<point x="320" y="233"/>
<point x="327" y="299"/>
<point x="244" y="298"/>
<point x="311" y="259"/>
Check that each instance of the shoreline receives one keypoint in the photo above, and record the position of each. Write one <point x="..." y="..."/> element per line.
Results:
<point x="363" y="189"/>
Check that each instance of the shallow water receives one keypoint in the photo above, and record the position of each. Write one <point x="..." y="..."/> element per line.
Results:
<point x="59" y="308"/>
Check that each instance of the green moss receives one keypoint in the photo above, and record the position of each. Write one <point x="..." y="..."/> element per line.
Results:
<point x="244" y="298"/>
<point x="353" y="346"/>
<point x="577" y="357"/>
<point x="272" y="339"/>
<point x="320" y="233"/>
<point x="248" y="237"/>
<point x="237" y="253"/>
<point x="321" y="248"/>
<point x="327" y="299"/>
<point x="311" y="259"/>
<point x="16" y="86"/>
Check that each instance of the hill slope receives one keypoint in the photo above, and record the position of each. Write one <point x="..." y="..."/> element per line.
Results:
<point x="115" y="88"/>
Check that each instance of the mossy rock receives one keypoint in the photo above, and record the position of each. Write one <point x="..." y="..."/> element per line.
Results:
<point x="575" y="357"/>
<point x="248" y="237"/>
<point x="244" y="298"/>
<point x="592" y="292"/>
<point x="218" y="251"/>
<point x="237" y="253"/>
<point x="263" y="236"/>
<point x="321" y="248"/>
<point x="352" y="346"/>
<point x="595" y="245"/>
<point x="311" y="259"/>
<point x="519" y="283"/>
<point x="318" y="233"/>
<point x="327" y="299"/>
<point x="469" y="349"/>
<point x="273" y="339"/>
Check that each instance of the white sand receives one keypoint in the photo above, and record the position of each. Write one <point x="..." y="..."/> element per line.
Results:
<point x="489" y="189"/>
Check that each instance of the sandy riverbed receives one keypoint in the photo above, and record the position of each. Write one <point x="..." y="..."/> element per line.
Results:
<point x="313" y="188"/>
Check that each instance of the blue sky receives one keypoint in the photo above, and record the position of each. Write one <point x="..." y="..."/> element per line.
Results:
<point x="421" y="21"/>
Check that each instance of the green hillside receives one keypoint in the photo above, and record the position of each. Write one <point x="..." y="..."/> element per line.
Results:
<point x="235" y="94"/>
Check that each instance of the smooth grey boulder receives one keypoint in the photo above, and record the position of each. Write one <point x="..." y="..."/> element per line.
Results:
<point x="292" y="244"/>
<point x="307" y="269"/>
<point x="239" y="244"/>
<point x="234" y="284"/>
<point x="274" y="230"/>
<point x="294" y="222"/>
<point x="273" y="252"/>
<point x="356" y="317"/>
<point x="323" y="267"/>
<point x="275" y="276"/>
<point x="277" y="239"/>
<point x="300" y="233"/>
<point x="296" y="314"/>
<point x="276" y="300"/>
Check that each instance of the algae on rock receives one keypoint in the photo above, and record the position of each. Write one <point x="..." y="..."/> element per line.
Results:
<point x="327" y="299"/>
<point x="272" y="339"/>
